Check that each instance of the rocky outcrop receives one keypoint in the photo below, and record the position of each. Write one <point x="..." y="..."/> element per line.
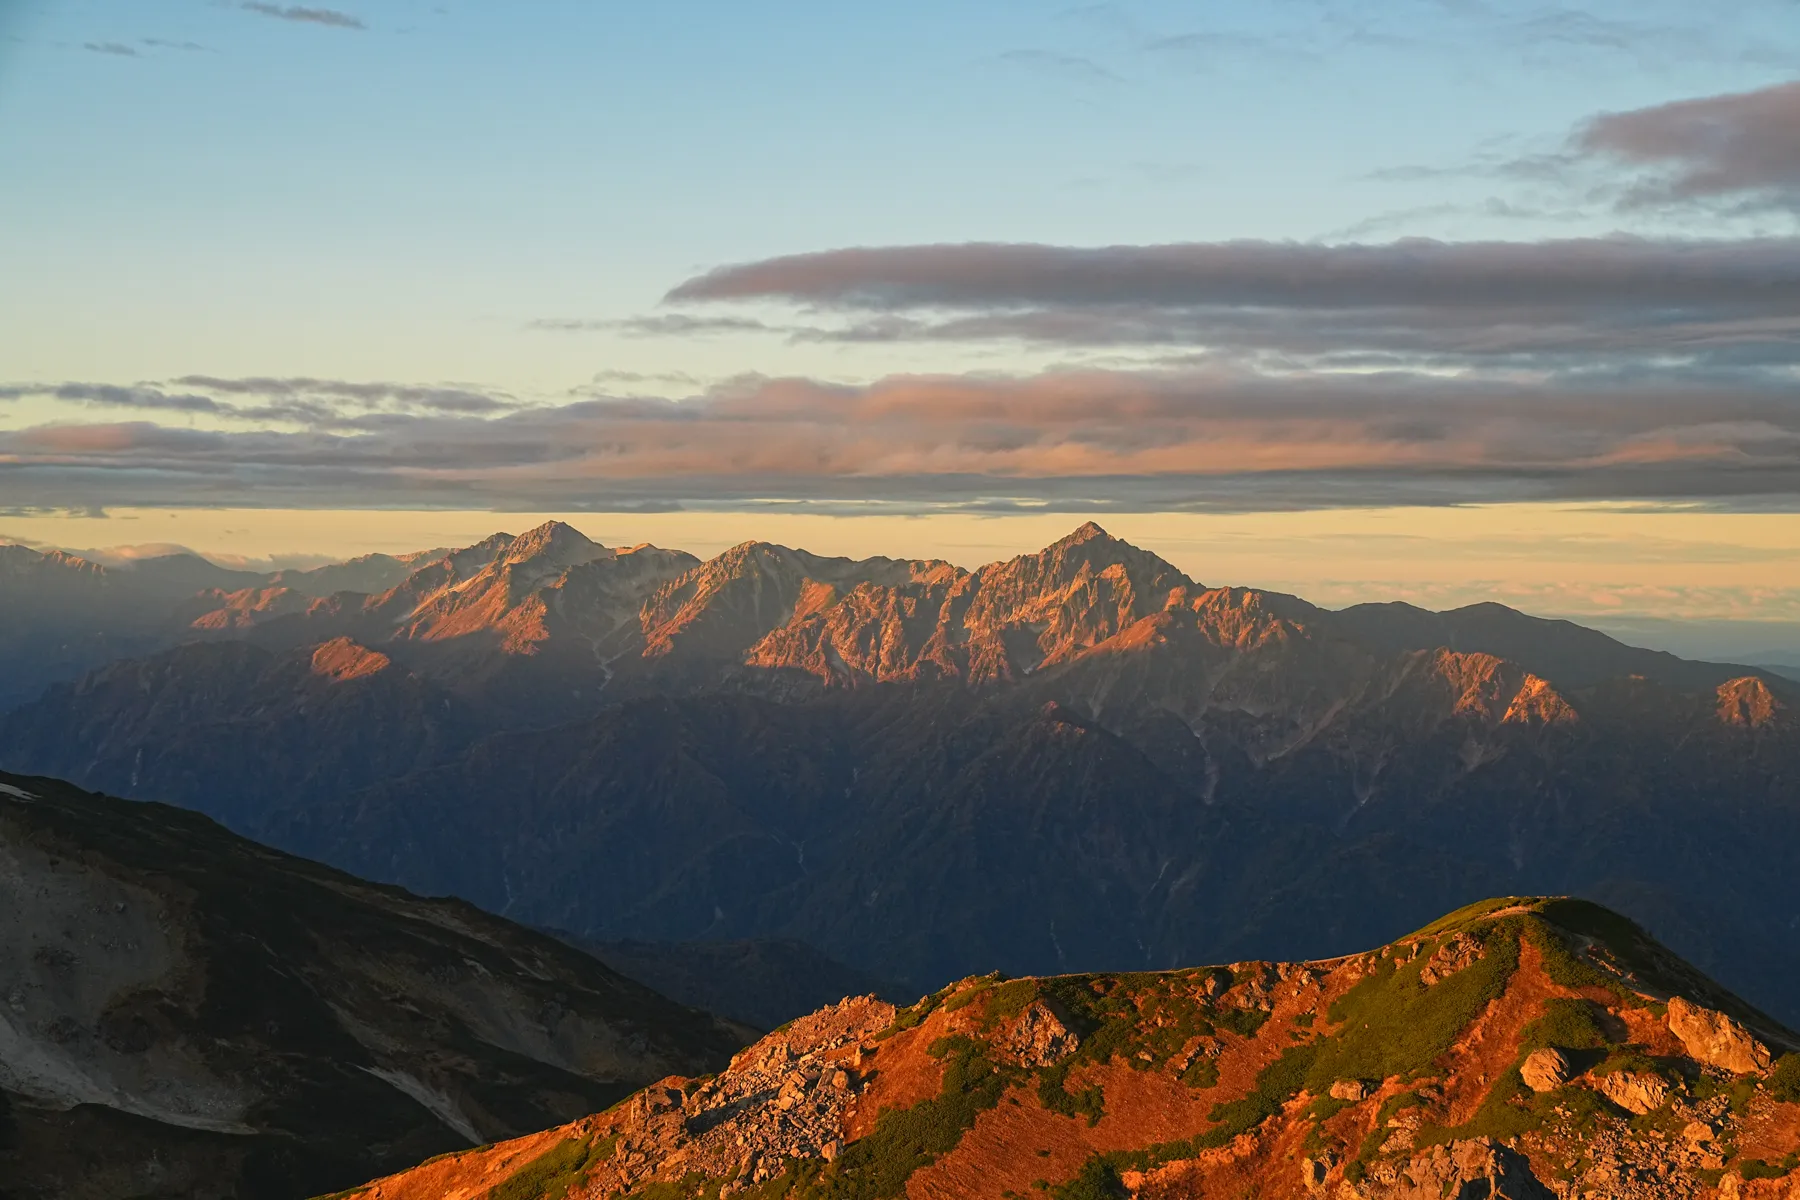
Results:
<point x="1545" y="1070"/>
<point x="1634" y="1091"/>
<point x="1038" y="1038"/>
<point x="342" y="659"/>
<point x="1748" y="703"/>
<point x="784" y="1098"/>
<point x="1715" y="1039"/>
<point x="1476" y="1169"/>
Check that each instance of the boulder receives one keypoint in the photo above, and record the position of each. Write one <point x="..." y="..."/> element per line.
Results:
<point x="1545" y="1070"/>
<point x="1475" y="1168"/>
<point x="1634" y="1091"/>
<point x="1313" y="1172"/>
<point x="1349" y="1089"/>
<point x="1038" y="1038"/>
<point x="1715" y="1039"/>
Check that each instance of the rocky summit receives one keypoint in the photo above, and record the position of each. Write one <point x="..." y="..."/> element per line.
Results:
<point x="1525" y="1048"/>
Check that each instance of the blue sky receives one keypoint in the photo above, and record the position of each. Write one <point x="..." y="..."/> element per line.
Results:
<point x="398" y="201"/>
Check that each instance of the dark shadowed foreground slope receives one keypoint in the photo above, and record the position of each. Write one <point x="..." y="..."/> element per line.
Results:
<point x="187" y="1014"/>
<point x="1523" y="1048"/>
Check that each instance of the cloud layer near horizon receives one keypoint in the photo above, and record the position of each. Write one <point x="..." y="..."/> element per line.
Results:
<point x="1206" y="436"/>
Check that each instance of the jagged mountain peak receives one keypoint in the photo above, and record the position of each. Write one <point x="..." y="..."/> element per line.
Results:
<point x="1088" y="531"/>
<point x="18" y="559"/>
<point x="341" y="660"/>
<point x="1748" y="702"/>
<point x="1514" y="1042"/>
<point x="554" y="544"/>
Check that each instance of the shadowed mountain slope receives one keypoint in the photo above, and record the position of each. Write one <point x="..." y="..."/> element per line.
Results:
<point x="184" y="1013"/>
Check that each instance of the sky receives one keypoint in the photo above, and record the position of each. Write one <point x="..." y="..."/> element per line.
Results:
<point x="1356" y="300"/>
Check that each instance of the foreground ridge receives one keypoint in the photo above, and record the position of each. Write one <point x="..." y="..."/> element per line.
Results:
<point x="1523" y="1047"/>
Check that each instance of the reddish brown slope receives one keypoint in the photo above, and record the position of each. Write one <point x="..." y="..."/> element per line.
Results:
<point x="1397" y="1073"/>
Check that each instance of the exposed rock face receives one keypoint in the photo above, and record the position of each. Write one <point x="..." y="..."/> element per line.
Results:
<point x="783" y="1098"/>
<point x="1748" y="703"/>
<point x="342" y="659"/>
<point x="1634" y="1091"/>
<point x="1545" y="1070"/>
<point x="1037" y="1038"/>
<point x="1469" y="1170"/>
<point x="1715" y="1039"/>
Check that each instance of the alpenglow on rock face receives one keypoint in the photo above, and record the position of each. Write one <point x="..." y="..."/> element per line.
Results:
<point x="1715" y="1039"/>
<point x="1222" y="1081"/>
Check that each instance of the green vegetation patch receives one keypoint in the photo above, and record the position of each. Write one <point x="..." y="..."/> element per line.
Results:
<point x="1144" y="1018"/>
<point x="1784" y="1080"/>
<point x="878" y="1165"/>
<point x="1756" y="1168"/>
<point x="1242" y="1021"/>
<point x="1392" y="1023"/>
<point x="555" y="1172"/>
<point x="1007" y="1000"/>
<point x="1098" y="1179"/>
<point x="1203" y="1072"/>
<point x="1564" y="965"/>
<point x="1470" y="914"/>
<point x="1566" y="1025"/>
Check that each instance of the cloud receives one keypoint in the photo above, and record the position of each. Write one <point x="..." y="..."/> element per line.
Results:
<point x="1616" y="272"/>
<point x="1743" y="147"/>
<point x="363" y="395"/>
<point x="313" y="16"/>
<point x="1204" y="436"/>
<point x="114" y="396"/>
<point x="316" y="403"/>
<point x="119" y="49"/>
<point x="1618" y="306"/>
<point x="659" y="325"/>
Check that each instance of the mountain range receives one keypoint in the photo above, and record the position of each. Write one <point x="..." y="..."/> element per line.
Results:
<point x="1075" y="760"/>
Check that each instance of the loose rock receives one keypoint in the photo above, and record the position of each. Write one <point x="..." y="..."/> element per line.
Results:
<point x="1545" y="1070"/>
<point x="1715" y="1039"/>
